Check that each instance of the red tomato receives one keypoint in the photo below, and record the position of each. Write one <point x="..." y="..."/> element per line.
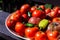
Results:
<point x="18" y="12"/>
<point x="20" y="28"/>
<point x="53" y="14"/>
<point x="25" y="16"/>
<point x="10" y="23"/>
<point x="58" y="13"/>
<point x="52" y="35"/>
<point x="34" y="20"/>
<point x="57" y="19"/>
<point x="33" y="9"/>
<point x="24" y="8"/>
<point x="47" y="10"/>
<point x="40" y="36"/>
<point x="30" y="32"/>
<point x="15" y="17"/>
<point x="43" y="15"/>
<point x="56" y="9"/>
<point x="37" y="13"/>
<point x="42" y="6"/>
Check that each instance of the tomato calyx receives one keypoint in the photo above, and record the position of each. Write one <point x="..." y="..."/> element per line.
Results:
<point x="39" y="9"/>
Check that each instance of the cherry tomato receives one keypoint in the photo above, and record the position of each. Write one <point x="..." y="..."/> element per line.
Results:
<point x="57" y="19"/>
<point x="15" y="17"/>
<point x="25" y="16"/>
<point x="43" y="15"/>
<point x="30" y="32"/>
<point x="58" y="13"/>
<point x="10" y="23"/>
<point x="18" y="12"/>
<point x="20" y="28"/>
<point x="33" y="9"/>
<point x="52" y="35"/>
<point x="53" y="14"/>
<point x="24" y="8"/>
<point x="56" y="9"/>
<point x="48" y="10"/>
<point x="37" y="13"/>
<point x="42" y="6"/>
<point x="34" y="20"/>
<point x="40" y="36"/>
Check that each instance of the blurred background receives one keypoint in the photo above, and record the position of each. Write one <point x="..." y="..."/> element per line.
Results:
<point x="12" y="5"/>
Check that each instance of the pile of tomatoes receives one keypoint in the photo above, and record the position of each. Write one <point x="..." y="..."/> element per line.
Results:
<point x="33" y="22"/>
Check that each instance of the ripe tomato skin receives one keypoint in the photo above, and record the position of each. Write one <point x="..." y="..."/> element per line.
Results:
<point x="40" y="36"/>
<point x="58" y="13"/>
<point x="43" y="15"/>
<point x="15" y="17"/>
<point x="25" y="16"/>
<point x="20" y="28"/>
<point x="33" y="8"/>
<point x="53" y="14"/>
<point x="37" y="13"/>
<point x="47" y="10"/>
<point x="10" y="23"/>
<point x="56" y="9"/>
<point x="30" y="32"/>
<point x="52" y="35"/>
<point x="42" y="6"/>
<point x="24" y="8"/>
<point x="57" y="19"/>
<point x="18" y="12"/>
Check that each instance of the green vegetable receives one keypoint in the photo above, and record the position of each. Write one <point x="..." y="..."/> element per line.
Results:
<point x="48" y="6"/>
<point x="43" y="23"/>
<point x="29" y="14"/>
<point x="39" y="9"/>
<point x="29" y="25"/>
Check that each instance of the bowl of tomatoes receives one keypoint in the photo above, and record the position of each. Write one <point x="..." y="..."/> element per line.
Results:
<point x="40" y="22"/>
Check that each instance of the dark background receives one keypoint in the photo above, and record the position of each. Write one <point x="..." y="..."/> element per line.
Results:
<point x="12" y="5"/>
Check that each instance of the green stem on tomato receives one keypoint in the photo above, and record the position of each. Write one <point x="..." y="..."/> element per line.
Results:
<point x="39" y="9"/>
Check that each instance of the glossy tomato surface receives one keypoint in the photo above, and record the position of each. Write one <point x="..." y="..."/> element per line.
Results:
<point x="30" y="32"/>
<point x="37" y="13"/>
<point x="40" y="36"/>
<point x="24" y="8"/>
<point x="19" y="28"/>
